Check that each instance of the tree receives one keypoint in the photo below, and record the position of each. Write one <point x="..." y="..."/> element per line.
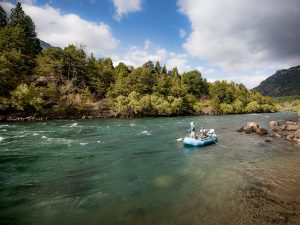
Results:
<point x="13" y="70"/>
<point x="19" y="18"/>
<point x="75" y="65"/>
<point x="194" y="83"/>
<point x="3" y="17"/>
<point x="157" y="67"/>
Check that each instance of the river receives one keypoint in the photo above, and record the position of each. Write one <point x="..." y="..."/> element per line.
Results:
<point x="133" y="171"/>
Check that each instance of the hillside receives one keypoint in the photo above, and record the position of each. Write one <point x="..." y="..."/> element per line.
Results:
<point x="45" y="44"/>
<point x="284" y="82"/>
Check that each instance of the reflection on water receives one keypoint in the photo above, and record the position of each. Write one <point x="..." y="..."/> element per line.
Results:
<point x="134" y="172"/>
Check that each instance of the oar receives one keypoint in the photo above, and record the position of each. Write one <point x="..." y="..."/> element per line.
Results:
<point x="223" y="146"/>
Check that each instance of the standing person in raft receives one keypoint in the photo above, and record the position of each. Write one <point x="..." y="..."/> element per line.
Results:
<point x="192" y="129"/>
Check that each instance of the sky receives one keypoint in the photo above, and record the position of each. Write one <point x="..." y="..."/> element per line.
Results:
<point x="240" y="40"/>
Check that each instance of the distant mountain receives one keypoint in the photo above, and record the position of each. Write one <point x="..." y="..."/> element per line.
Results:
<point x="45" y="44"/>
<point x="284" y="82"/>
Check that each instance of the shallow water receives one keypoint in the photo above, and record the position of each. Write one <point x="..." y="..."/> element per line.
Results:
<point x="132" y="171"/>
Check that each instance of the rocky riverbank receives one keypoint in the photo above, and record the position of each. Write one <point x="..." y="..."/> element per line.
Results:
<point x="288" y="130"/>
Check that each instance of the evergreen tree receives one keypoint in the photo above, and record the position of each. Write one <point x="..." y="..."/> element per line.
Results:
<point x="3" y="17"/>
<point x="157" y="67"/>
<point x="164" y="70"/>
<point x="19" y="18"/>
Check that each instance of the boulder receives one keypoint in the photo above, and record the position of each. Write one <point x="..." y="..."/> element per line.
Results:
<point x="292" y="127"/>
<point x="283" y="127"/>
<point x="261" y="131"/>
<point x="273" y="123"/>
<point x="250" y="127"/>
<point x="291" y="122"/>
<point x="289" y="131"/>
<point x="290" y="137"/>
<point x="253" y="127"/>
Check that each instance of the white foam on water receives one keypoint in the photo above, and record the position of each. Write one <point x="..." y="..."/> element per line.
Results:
<point x="132" y="124"/>
<point x="267" y="116"/>
<point x="145" y="132"/>
<point x="4" y="130"/>
<point x="74" y="125"/>
<point x="83" y="144"/>
<point x="4" y="125"/>
<point x="35" y="134"/>
<point x="44" y="137"/>
<point x="99" y="141"/>
<point x="1" y="138"/>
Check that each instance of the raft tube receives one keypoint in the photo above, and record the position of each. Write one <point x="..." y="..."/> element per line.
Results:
<point x="200" y="142"/>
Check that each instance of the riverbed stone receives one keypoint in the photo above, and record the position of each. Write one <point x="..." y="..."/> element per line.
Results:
<point x="261" y="131"/>
<point x="276" y="135"/>
<point x="292" y="127"/>
<point x="288" y="131"/>
<point x="273" y="123"/>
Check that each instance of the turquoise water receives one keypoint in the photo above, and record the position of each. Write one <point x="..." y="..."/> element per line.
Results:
<point x="132" y="171"/>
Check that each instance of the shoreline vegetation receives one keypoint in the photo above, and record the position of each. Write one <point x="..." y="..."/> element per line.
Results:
<point x="56" y="83"/>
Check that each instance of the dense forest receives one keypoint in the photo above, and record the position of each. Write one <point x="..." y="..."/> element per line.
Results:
<point x="64" y="83"/>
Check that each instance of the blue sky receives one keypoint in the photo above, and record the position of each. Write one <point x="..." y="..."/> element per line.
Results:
<point x="240" y="40"/>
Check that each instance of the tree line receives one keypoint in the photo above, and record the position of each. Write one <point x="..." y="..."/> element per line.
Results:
<point x="68" y="82"/>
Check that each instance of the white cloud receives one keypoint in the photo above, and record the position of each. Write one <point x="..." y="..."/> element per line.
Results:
<point x="124" y="7"/>
<point x="241" y="35"/>
<point x="29" y="2"/>
<point x="61" y="30"/>
<point x="182" y="33"/>
<point x="137" y="56"/>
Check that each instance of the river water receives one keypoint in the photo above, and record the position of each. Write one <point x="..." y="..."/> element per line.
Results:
<point x="133" y="171"/>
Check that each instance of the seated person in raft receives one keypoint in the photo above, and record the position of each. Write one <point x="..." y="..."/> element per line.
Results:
<point x="202" y="133"/>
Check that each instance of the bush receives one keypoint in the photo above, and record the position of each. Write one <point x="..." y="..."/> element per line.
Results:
<point x="26" y="98"/>
<point x="226" y="108"/>
<point x="253" y="107"/>
<point x="238" y="106"/>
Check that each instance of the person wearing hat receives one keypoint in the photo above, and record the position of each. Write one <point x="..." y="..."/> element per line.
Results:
<point x="202" y="133"/>
<point x="193" y="130"/>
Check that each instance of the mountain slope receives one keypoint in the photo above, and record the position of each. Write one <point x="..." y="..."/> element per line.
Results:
<point x="284" y="82"/>
<point x="45" y="44"/>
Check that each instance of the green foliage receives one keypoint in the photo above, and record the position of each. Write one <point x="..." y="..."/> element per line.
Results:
<point x="13" y="70"/>
<point x="3" y="17"/>
<point x="222" y="92"/>
<point x="4" y="103"/>
<point x="68" y="82"/>
<point x="253" y="107"/>
<point x="26" y="98"/>
<point x="194" y="83"/>
<point x="18" y="47"/>
<point x="288" y="104"/>
<point x="226" y="108"/>
<point x="238" y="106"/>
<point x="19" y="18"/>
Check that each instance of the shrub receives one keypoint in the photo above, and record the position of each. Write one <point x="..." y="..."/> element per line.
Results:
<point x="226" y="108"/>
<point x="253" y="107"/>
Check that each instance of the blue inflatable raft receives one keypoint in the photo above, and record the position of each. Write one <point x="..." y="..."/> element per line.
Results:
<point x="200" y="142"/>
